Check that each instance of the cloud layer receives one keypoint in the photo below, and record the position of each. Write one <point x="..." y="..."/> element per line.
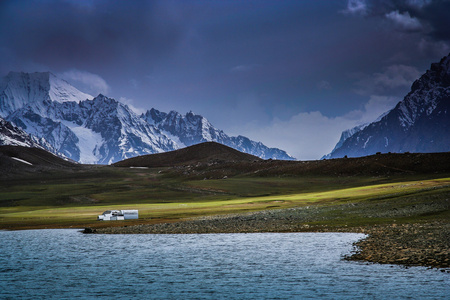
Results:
<point x="301" y="70"/>
<point x="310" y="135"/>
<point x="85" y="81"/>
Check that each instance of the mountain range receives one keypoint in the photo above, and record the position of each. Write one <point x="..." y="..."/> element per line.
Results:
<point x="42" y="108"/>
<point x="43" y="111"/>
<point x="418" y="123"/>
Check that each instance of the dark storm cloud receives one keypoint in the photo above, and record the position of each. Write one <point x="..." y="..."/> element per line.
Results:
<point x="430" y="16"/>
<point x="438" y="15"/>
<point x="251" y="67"/>
<point x="66" y="34"/>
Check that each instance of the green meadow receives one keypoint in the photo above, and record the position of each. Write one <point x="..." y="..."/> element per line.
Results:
<point x="74" y="199"/>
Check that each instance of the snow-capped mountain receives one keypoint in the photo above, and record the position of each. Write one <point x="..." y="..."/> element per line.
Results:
<point x="101" y="130"/>
<point x="14" y="136"/>
<point x="418" y="123"/>
<point x="193" y="129"/>
<point x="37" y="90"/>
<point x="94" y="130"/>
<point x="344" y="136"/>
<point x="11" y="135"/>
<point x="350" y="132"/>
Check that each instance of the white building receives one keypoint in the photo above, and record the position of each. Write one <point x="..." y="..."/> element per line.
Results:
<point x="113" y="215"/>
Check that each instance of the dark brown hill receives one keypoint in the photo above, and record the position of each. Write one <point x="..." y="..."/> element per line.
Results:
<point x="209" y="152"/>
<point x="378" y="164"/>
<point x="21" y="160"/>
<point x="374" y="165"/>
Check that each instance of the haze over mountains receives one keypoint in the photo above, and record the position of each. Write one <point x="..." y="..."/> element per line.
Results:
<point x="102" y="130"/>
<point x="43" y="111"/>
<point x="418" y="123"/>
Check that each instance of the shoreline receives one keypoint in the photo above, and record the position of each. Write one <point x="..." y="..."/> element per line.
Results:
<point x="419" y="244"/>
<point x="409" y="244"/>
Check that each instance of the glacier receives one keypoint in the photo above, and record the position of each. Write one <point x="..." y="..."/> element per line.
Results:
<point x="88" y="143"/>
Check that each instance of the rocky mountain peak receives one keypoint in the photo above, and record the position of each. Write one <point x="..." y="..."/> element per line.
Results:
<point x="102" y="129"/>
<point x="437" y="75"/>
<point x="37" y="89"/>
<point x="153" y="116"/>
<point x="14" y="136"/>
<point x="418" y="123"/>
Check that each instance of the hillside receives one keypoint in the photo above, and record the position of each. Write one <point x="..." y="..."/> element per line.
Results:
<point x="373" y="165"/>
<point x="397" y="198"/>
<point x="209" y="153"/>
<point x="213" y="160"/>
<point x="20" y="160"/>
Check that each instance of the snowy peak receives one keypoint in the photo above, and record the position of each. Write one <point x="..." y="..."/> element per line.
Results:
<point x="344" y="136"/>
<point x="191" y="129"/>
<point x="110" y="131"/>
<point x="437" y="75"/>
<point x="102" y="130"/>
<point x="426" y="92"/>
<point x="188" y="129"/>
<point x="11" y="135"/>
<point x="154" y="116"/>
<point x="418" y="123"/>
<point x="195" y="128"/>
<point x="62" y="91"/>
<point x="20" y="89"/>
<point x="14" y="136"/>
<point x="350" y="132"/>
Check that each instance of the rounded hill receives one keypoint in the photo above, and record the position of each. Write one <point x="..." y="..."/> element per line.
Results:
<point x="209" y="152"/>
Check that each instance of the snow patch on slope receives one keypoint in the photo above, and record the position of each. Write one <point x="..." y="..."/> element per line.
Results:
<point x="62" y="91"/>
<point x="367" y="141"/>
<point x="89" y="143"/>
<point x="175" y="139"/>
<point x="22" y="161"/>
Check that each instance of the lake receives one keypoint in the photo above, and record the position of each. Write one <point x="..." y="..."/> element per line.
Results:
<point x="66" y="264"/>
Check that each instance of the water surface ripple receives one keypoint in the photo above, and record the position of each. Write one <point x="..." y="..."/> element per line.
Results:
<point x="65" y="264"/>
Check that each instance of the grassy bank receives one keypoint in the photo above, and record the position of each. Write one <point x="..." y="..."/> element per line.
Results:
<point x="405" y="210"/>
<point x="67" y="199"/>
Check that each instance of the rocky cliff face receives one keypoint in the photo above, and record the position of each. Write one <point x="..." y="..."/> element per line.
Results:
<point x="418" y="123"/>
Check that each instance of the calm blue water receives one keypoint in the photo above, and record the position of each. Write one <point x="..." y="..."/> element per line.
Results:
<point x="65" y="264"/>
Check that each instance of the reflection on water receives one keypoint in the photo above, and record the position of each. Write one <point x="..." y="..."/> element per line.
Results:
<point x="67" y="264"/>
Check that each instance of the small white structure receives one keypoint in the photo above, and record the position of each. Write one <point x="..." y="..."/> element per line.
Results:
<point x="113" y="215"/>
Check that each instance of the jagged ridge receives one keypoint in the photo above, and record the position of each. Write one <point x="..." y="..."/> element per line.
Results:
<point x="192" y="129"/>
<point x="101" y="129"/>
<point x="418" y="123"/>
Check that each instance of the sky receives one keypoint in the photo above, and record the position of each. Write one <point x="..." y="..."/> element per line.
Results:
<point x="291" y="74"/>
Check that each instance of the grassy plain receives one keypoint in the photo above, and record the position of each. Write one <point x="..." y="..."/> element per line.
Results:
<point x="65" y="199"/>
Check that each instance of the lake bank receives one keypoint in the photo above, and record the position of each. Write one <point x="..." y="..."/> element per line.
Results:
<point x="422" y="243"/>
<point x="62" y="263"/>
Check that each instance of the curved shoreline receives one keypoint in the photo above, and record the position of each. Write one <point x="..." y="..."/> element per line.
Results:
<point x="417" y="244"/>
